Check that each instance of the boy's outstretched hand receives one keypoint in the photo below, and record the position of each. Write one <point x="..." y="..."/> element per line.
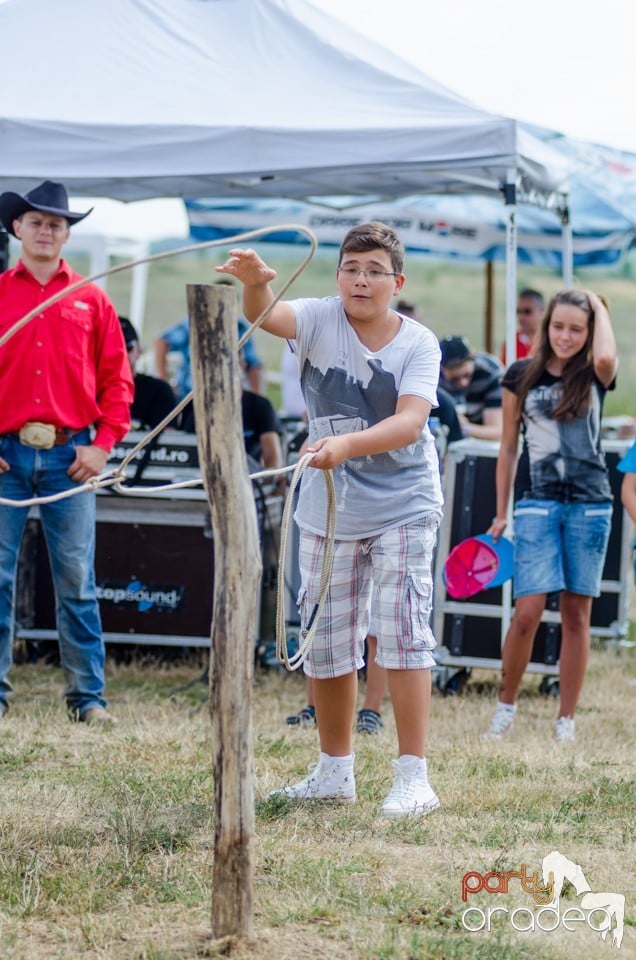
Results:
<point x="247" y="266"/>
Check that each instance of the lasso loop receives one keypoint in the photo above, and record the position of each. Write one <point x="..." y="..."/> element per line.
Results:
<point x="116" y="477"/>
<point x="307" y="636"/>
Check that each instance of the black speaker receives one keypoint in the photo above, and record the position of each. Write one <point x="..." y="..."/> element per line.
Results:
<point x="480" y="638"/>
<point x="152" y="579"/>
<point x="154" y="570"/>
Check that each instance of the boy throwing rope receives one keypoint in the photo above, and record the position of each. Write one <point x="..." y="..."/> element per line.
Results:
<point x="369" y="378"/>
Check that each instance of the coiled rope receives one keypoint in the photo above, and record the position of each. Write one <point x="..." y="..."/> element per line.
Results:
<point x="307" y="634"/>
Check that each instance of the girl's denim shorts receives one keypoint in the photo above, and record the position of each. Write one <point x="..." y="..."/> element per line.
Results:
<point x="560" y="546"/>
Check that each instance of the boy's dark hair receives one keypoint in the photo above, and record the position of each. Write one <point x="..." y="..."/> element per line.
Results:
<point x="374" y="236"/>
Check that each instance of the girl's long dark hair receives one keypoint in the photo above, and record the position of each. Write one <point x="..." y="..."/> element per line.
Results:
<point x="578" y="372"/>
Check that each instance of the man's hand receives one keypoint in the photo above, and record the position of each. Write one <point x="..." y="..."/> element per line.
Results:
<point x="247" y="266"/>
<point x="89" y="462"/>
<point x="329" y="452"/>
<point x="4" y="466"/>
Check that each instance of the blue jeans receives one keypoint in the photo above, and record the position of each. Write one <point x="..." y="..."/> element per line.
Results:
<point x="69" y="530"/>
<point x="560" y="546"/>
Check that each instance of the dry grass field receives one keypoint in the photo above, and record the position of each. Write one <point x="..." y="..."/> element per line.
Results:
<point x="107" y="838"/>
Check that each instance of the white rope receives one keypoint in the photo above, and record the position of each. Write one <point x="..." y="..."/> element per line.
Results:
<point x="163" y="255"/>
<point x="104" y="480"/>
<point x="308" y="632"/>
<point x="195" y="482"/>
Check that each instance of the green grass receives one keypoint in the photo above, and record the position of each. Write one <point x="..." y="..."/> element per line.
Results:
<point x="107" y="839"/>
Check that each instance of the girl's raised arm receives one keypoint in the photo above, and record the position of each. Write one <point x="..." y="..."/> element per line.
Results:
<point x="604" y="351"/>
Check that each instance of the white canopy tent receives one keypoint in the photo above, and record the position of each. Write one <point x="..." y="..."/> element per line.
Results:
<point x="269" y="98"/>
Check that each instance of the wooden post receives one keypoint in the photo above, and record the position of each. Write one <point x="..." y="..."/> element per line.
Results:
<point x="237" y="570"/>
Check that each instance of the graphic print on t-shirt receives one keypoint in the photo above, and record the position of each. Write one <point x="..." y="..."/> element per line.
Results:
<point x="566" y="461"/>
<point x="343" y="404"/>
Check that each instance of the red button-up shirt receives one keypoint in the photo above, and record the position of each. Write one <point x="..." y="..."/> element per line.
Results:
<point x="524" y="346"/>
<point x="68" y="366"/>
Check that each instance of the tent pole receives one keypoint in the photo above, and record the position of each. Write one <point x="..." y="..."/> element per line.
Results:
<point x="489" y="340"/>
<point x="510" y="196"/>
<point x="138" y="293"/>
<point x="568" y="249"/>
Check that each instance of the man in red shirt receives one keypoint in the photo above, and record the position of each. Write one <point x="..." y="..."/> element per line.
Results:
<point x="530" y="310"/>
<point x="67" y="370"/>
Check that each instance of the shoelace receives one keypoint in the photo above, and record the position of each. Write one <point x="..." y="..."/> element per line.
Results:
<point x="403" y="787"/>
<point x="317" y="773"/>
<point x="312" y="768"/>
<point x="564" y="729"/>
<point x="501" y="721"/>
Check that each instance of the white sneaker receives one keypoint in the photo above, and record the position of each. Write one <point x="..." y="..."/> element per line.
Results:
<point x="411" y="793"/>
<point x="501" y="722"/>
<point x="331" y="778"/>
<point x="564" y="730"/>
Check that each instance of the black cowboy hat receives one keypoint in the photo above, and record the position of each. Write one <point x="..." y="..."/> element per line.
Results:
<point x="48" y="197"/>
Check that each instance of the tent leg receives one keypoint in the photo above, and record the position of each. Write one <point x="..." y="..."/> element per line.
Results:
<point x="489" y="312"/>
<point x="568" y="249"/>
<point x="511" y="266"/>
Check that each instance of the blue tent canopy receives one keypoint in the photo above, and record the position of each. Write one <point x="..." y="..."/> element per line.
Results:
<point x="601" y="207"/>
<point x="459" y="227"/>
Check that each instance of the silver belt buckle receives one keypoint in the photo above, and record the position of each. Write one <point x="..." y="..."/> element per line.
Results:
<point x="39" y="436"/>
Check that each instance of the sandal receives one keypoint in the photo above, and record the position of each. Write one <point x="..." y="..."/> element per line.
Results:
<point x="369" y="721"/>
<point x="304" y="718"/>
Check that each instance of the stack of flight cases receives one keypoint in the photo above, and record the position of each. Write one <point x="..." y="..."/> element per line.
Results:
<point x="470" y="633"/>
<point x="154" y="556"/>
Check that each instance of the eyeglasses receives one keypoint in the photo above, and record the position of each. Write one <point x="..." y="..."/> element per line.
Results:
<point x="352" y="273"/>
<point x="523" y="310"/>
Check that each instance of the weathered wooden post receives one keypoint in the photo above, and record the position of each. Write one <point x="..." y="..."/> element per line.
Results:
<point x="237" y="570"/>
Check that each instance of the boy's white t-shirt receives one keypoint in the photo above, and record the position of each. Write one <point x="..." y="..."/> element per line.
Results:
<point x="348" y="387"/>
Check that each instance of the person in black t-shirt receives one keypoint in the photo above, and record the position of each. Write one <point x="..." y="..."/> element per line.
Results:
<point x="154" y="398"/>
<point x="261" y="430"/>
<point x="474" y="382"/>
